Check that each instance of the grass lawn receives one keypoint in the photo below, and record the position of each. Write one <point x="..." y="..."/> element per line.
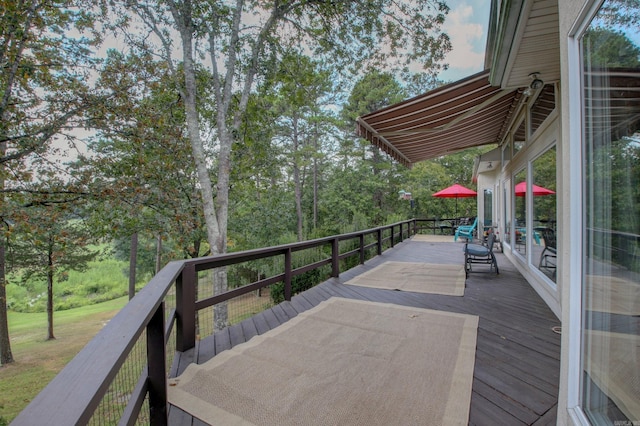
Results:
<point x="38" y="360"/>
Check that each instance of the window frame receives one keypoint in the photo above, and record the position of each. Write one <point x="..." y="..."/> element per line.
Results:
<point x="572" y="265"/>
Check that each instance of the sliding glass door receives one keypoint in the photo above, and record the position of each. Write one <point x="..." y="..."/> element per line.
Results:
<point x="610" y="50"/>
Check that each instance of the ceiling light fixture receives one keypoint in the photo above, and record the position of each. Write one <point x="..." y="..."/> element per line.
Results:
<point x="536" y="83"/>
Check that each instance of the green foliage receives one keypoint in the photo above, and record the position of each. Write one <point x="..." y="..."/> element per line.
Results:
<point x="103" y="280"/>
<point x="46" y="241"/>
<point x="611" y="48"/>
<point x="141" y="168"/>
<point x="146" y="253"/>
<point x="46" y="59"/>
<point x="299" y="283"/>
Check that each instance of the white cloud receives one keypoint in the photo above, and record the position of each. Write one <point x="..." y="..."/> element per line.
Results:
<point x="468" y="40"/>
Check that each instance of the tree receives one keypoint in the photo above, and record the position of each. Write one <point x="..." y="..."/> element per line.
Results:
<point x="374" y="91"/>
<point x="611" y="48"/>
<point x="243" y="38"/>
<point x="621" y="12"/>
<point x="301" y="90"/>
<point x="46" y="241"/>
<point x="44" y="52"/>
<point x="140" y="164"/>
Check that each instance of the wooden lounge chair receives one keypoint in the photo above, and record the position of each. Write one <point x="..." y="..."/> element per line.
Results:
<point x="480" y="254"/>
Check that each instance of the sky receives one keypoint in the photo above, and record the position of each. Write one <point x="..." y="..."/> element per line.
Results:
<point x="466" y="24"/>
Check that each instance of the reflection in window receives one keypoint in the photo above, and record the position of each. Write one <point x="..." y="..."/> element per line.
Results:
<point x="506" y="195"/>
<point x="611" y="258"/>
<point x="506" y="153"/>
<point x="488" y="207"/>
<point x="519" y="138"/>
<point x="520" y="212"/>
<point x="544" y="213"/>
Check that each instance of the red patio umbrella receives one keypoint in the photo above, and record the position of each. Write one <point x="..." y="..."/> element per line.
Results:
<point x="455" y="191"/>
<point x="521" y="190"/>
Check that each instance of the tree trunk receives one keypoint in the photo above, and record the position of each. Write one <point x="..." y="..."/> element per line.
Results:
<point x="50" y="335"/>
<point x="378" y="195"/>
<point x="215" y="219"/>
<point x="6" y="357"/>
<point x="133" y="261"/>
<point x="315" y="178"/>
<point x="296" y="179"/>
<point x="158" y="253"/>
<point x="197" y="149"/>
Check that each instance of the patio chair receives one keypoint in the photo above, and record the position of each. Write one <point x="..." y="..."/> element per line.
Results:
<point x="466" y="231"/>
<point x="480" y="254"/>
<point x="548" y="255"/>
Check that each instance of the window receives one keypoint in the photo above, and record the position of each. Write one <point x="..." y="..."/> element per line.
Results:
<point x="488" y="207"/>
<point x="519" y="138"/>
<point x="506" y="153"/>
<point x="520" y="212"/>
<point x="610" y="49"/>
<point x="544" y="213"/>
<point x="506" y="213"/>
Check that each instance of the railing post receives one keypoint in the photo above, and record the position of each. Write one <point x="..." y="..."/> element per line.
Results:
<point x="287" y="275"/>
<point x="392" y="236"/>
<point x="185" y="309"/>
<point x="362" y="249"/>
<point x="156" y="369"/>
<point x="401" y="231"/>
<point x="335" y="258"/>
<point x="379" y="233"/>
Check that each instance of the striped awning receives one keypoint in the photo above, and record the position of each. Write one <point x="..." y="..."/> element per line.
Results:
<point x="451" y="118"/>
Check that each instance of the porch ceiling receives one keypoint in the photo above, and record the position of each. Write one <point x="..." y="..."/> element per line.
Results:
<point x="470" y="112"/>
<point x="530" y="43"/>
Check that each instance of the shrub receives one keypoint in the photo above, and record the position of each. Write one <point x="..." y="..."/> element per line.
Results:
<point x="299" y="283"/>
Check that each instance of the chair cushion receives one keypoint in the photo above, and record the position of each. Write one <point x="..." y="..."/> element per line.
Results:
<point x="477" y="250"/>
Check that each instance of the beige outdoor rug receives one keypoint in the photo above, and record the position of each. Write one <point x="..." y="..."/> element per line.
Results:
<point x="612" y="363"/>
<point x="431" y="238"/>
<point x="613" y="295"/>
<point x="343" y="362"/>
<point x="417" y="277"/>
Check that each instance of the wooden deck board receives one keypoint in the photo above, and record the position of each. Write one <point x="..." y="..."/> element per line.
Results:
<point x="516" y="358"/>
<point x="485" y="394"/>
<point x="249" y="328"/>
<point x="222" y="343"/>
<point x="280" y="314"/>
<point x="260" y="323"/>
<point x="517" y="363"/>
<point x="236" y="335"/>
<point x="483" y="412"/>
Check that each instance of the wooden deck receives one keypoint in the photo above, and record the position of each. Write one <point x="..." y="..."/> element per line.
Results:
<point x="517" y="362"/>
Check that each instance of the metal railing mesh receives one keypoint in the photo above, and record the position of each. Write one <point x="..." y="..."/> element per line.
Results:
<point x="114" y="402"/>
<point x="117" y="397"/>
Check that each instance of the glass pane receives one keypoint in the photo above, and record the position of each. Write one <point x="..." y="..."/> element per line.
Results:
<point x="519" y="138"/>
<point x="506" y="153"/>
<point x="520" y="212"/>
<point x="507" y="211"/>
<point x="544" y="213"/>
<point x="611" y="255"/>
<point x="488" y="207"/>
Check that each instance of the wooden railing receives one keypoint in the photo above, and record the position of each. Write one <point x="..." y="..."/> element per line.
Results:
<point x="161" y="317"/>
